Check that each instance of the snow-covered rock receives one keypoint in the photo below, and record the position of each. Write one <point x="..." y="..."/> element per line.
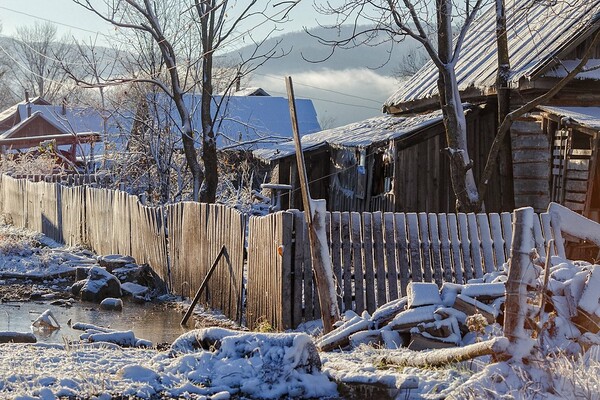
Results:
<point x="99" y="285"/>
<point x="111" y="304"/>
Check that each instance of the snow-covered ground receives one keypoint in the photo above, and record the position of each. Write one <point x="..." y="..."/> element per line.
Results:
<point x="219" y="364"/>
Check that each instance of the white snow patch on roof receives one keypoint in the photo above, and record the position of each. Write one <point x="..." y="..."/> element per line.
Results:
<point x="584" y="116"/>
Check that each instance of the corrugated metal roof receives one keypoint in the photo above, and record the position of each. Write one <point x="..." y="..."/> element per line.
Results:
<point x="359" y="134"/>
<point x="584" y="116"/>
<point x="537" y="31"/>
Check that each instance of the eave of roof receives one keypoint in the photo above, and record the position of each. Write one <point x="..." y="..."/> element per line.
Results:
<point x="588" y="117"/>
<point x="362" y="134"/>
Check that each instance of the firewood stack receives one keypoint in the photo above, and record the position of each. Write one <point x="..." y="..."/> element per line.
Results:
<point x="456" y="315"/>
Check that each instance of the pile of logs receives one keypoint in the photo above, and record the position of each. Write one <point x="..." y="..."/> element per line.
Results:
<point x="455" y="315"/>
<point x="426" y="318"/>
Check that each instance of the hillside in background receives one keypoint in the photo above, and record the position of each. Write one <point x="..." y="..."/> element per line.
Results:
<point x="347" y="85"/>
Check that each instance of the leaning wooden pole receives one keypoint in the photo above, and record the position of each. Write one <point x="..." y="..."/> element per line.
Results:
<point x="315" y="219"/>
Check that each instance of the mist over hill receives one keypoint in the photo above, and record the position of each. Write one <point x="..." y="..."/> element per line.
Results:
<point x="348" y="85"/>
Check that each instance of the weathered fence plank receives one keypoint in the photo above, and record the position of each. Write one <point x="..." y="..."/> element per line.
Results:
<point x="458" y="258"/>
<point x="390" y="256"/>
<point x="486" y="242"/>
<point x="368" y="262"/>
<point x="434" y="238"/>
<point x="465" y="244"/>
<point x="346" y="261"/>
<point x="497" y="239"/>
<point x="414" y="245"/>
<point x="357" y="262"/>
<point x="425" y="248"/>
<point x="475" y="246"/>
<point x="402" y="255"/>
<point x="336" y="259"/>
<point x="446" y="255"/>
<point x="379" y="258"/>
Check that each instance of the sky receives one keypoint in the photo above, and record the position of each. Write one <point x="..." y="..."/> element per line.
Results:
<point x="334" y="109"/>
<point x="72" y="19"/>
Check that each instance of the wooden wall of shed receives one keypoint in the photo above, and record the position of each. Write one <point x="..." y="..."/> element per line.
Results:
<point x="285" y="171"/>
<point x="423" y="170"/>
<point x="422" y="181"/>
<point x="421" y="178"/>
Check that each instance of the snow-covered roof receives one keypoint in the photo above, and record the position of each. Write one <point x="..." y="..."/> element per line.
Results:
<point x="538" y="32"/>
<point x="588" y="117"/>
<point x="358" y="135"/>
<point x="251" y="91"/>
<point x="11" y="132"/>
<point x="249" y="122"/>
<point x="591" y="71"/>
<point x="12" y="112"/>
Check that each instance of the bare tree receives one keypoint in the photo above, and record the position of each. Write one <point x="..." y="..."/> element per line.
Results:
<point x="35" y="57"/>
<point x="416" y="19"/>
<point x="174" y="28"/>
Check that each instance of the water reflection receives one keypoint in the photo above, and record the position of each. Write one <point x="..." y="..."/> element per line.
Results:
<point x="154" y="322"/>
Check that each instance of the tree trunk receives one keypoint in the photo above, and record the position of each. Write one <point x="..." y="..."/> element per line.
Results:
<point x="440" y="357"/>
<point x="461" y="173"/>
<point x="208" y="192"/>
<point x="503" y="93"/>
<point x="519" y="276"/>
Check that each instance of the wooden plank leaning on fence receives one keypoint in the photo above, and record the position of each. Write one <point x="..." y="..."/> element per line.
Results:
<point x="315" y="219"/>
<point x="203" y="285"/>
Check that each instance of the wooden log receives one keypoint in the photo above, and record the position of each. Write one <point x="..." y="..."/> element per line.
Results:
<point x="470" y="306"/>
<point x="340" y="337"/>
<point x="515" y="309"/>
<point x="420" y="342"/>
<point x="17" y="337"/>
<point x="440" y="357"/>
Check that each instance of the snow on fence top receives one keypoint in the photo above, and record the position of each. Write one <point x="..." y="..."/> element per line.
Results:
<point x="537" y="33"/>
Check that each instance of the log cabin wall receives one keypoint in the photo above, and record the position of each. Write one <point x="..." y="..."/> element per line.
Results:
<point x="531" y="159"/>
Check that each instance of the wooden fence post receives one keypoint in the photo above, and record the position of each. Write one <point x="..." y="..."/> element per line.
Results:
<point x="520" y="273"/>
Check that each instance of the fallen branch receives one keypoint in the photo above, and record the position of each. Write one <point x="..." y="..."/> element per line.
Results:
<point x="440" y="357"/>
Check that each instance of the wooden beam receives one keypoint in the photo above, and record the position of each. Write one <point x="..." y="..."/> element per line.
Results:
<point x="321" y="260"/>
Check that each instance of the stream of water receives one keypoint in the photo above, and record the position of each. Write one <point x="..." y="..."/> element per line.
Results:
<point x="155" y="322"/>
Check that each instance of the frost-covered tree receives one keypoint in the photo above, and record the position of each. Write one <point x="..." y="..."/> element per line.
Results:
<point x="417" y="19"/>
<point x="188" y="35"/>
<point x="35" y="56"/>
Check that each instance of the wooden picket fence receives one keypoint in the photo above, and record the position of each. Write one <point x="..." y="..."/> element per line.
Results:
<point x="374" y="257"/>
<point x="113" y="222"/>
<point x="197" y="232"/>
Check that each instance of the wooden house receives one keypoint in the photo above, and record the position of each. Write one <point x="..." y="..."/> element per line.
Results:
<point x="30" y="124"/>
<point x="574" y="134"/>
<point x="407" y="170"/>
<point x="546" y="40"/>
